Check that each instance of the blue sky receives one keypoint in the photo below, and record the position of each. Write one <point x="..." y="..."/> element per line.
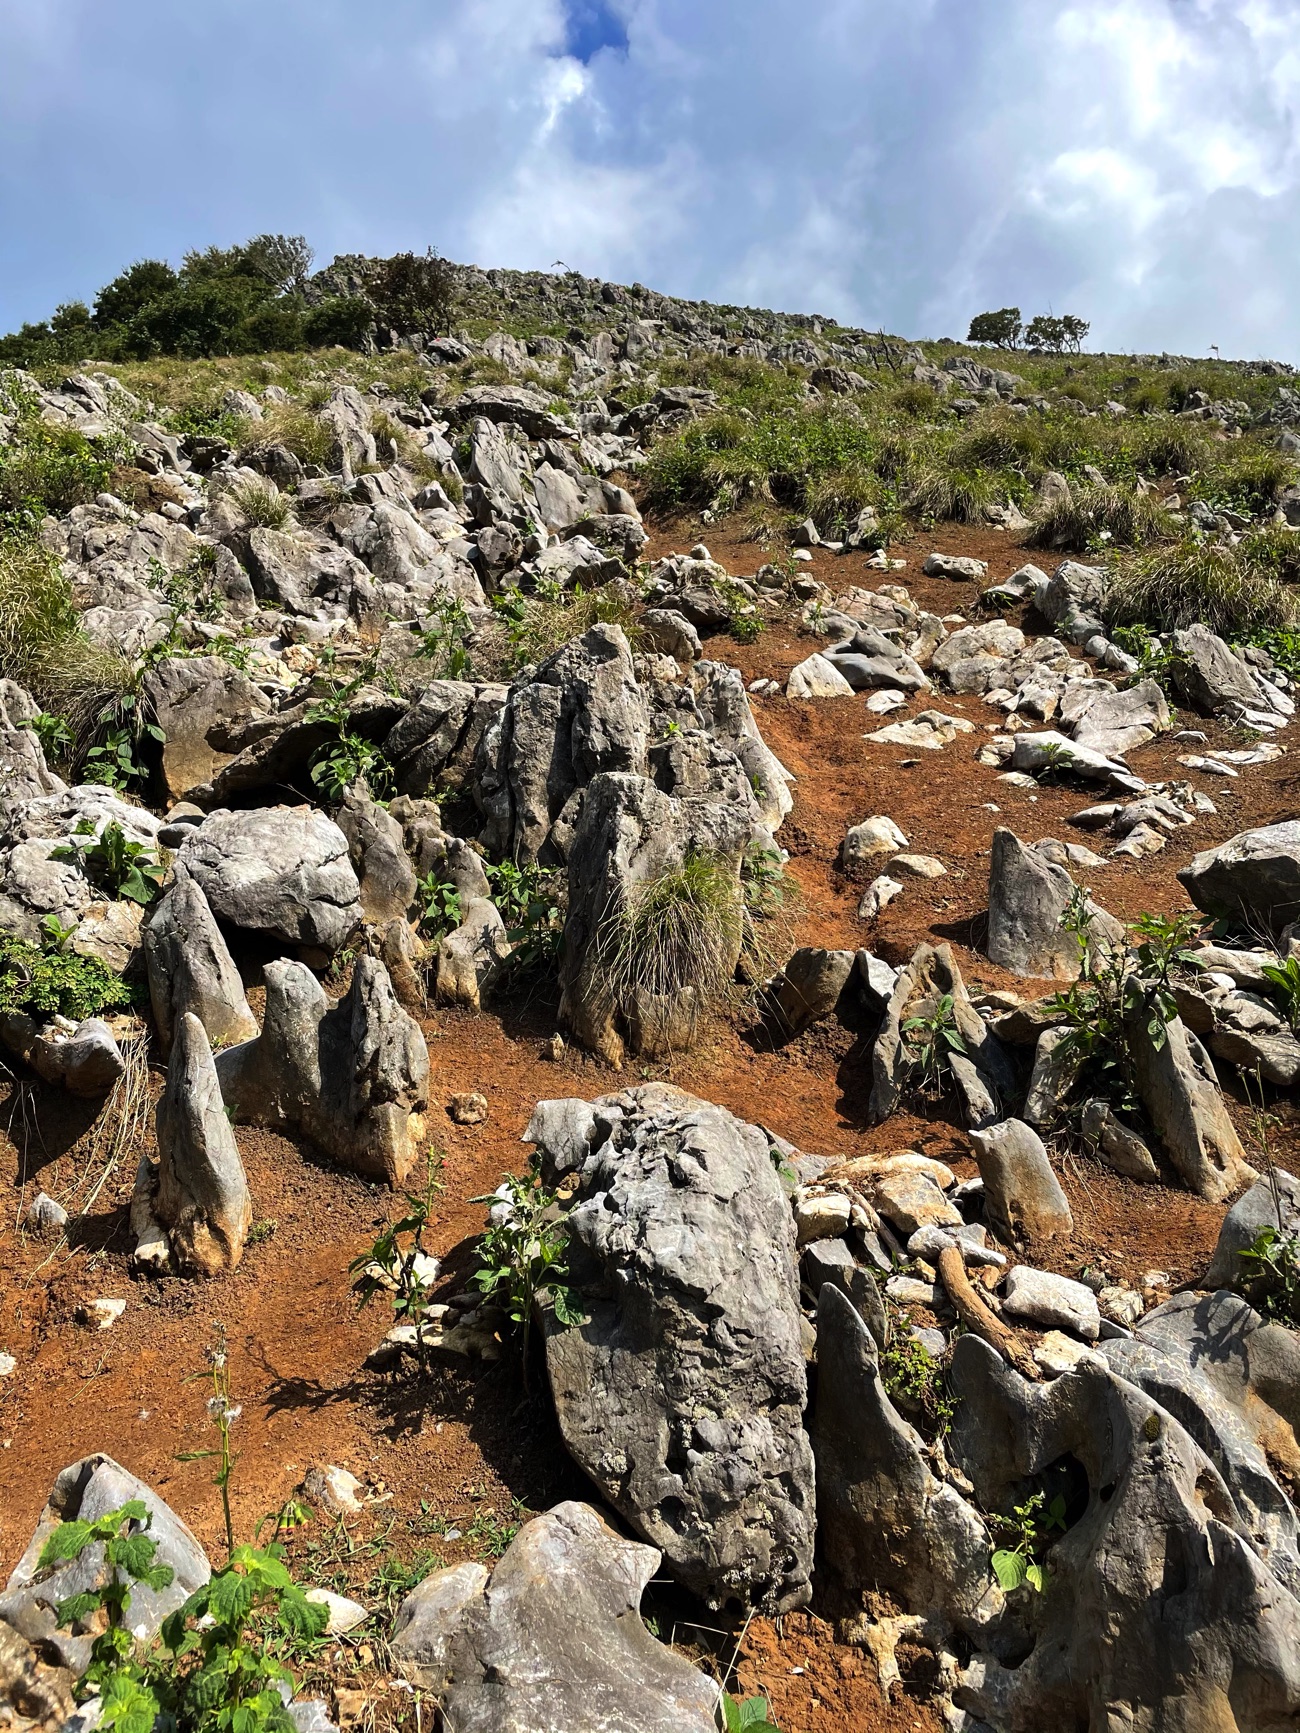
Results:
<point x="902" y="163"/>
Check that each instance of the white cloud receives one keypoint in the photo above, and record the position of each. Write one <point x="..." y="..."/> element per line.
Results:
<point x="1135" y="161"/>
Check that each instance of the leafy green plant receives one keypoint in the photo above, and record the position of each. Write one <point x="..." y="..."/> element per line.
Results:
<point x="740" y="1714"/>
<point x="522" y="1256"/>
<point x="1272" y="1275"/>
<point x="446" y="642"/>
<point x="439" y="904"/>
<point x="396" y="1264"/>
<point x="55" y="736"/>
<point x="348" y="757"/>
<point x="113" y="762"/>
<point x="1156" y="660"/>
<point x="747" y="628"/>
<point x="929" y="1038"/>
<point x="126" y="870"/>
<point x="1284" y="978"/>
<point x="914" y="1379"/>
<point x="128" y="1558"/>
<point x="1030" y="1529"/>
<point x="531" y="902"/>
<point x="46" y="981"/>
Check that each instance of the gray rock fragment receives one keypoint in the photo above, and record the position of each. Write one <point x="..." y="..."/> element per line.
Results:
<point x="203" y="1199"/>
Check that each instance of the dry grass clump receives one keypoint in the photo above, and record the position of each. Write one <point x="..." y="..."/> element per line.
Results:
<point x="261" y="504"/>
<point x="42" y="644"/>
<point x="964" y="496"/>
<point x="1125" y="515"/>
<point x="1193" y="581"/>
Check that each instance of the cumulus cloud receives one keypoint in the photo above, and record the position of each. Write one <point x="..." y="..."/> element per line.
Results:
<point x="1134" y="161"/>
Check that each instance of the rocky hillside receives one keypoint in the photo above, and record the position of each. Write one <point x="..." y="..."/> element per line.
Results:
<point x="535" y="853"/>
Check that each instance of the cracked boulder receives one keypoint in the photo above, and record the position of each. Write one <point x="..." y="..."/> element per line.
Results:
<point x="682" y="1394"/>
<point x="353" y="1077"/>
<point x="553" y="1637"/>
<point x="284" y="872"/>
<point x="204" y="707"/>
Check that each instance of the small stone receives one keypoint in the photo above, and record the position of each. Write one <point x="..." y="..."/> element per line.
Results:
<point x="821" y="1216"/>
<point x="874" y="836"/>
<point x="8" y="1365"/>
<point x="1055" y="1302"/>
<point x="1058" y="1353"/>
<point x="877" y="895"/>
<point x="934" y="1342"/>
<point x="344" y="1615"/>
<point x="101" y="1314"/>
<point x="909" y="1199"/>
<point x="334" y="1488"/>
<point x="555" y="1048"/>
<point x="1121" y="1305"/>
<point x="469" y="1108"/>
<point x="907" y="1291"/>
<point x="45" y="1215"/>
<point x="886" y="699"/>
<point x="918" y="866"/>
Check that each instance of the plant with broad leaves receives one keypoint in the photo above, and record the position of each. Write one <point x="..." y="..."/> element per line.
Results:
<point x="930" y="1038"/>
<point x="54" y="734"/>
<point x="1272" y="1274"/>
<point x="530" y="900"/>
<point x="113" y="762"/>
<point x="522" y="1255"/>
<point x="1030" y="1527"/>
<point x="1285" y="981"/>
<point x="125" y="869"/>
<point x="397" y="1262"/>
<point x="129" y="1554"/>
<point x="440" y="905"/>
<point x="741" y="1713"/>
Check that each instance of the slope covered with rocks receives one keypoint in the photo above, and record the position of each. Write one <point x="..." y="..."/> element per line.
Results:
<point x="778" y="845"/>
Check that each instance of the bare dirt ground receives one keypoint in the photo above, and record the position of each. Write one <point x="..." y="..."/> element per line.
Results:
<point x="453" y="1463"/>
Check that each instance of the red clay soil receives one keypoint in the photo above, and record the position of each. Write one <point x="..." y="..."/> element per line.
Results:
<point x="467" y="1450"/>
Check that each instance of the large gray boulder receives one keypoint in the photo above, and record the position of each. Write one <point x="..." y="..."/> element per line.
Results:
<point x="1159" y="1609"/>
<point x="682" y="1395"/>
<point x="203" y="1198"/>
<point x="629" y="834"/>
<point x="552" y="1638"/>
<point x="354" y="1077"/>
<point x="1253" y="878"/>
<point x="281" y="871"/>
<point x="1211" y="677"/>
<point x="377" y="850"/>
<point x="85" y="1491"/>
<point x="1028" y="895"/>
<point x="191" y="969"/>
<point x="1272" y="1202"/>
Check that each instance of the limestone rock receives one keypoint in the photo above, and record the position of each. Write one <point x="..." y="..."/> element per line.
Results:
<point x="682" y="1395"/>
<point x="203" y="1198"/>
<point x="1053" y="1302"/>
<point x="815" y="677"/>
<point x="1254" y="877"/>
<point x="808" y="988"/>
<point x="553" y="1638"/>
<point x="378" y="856"/>
<point x="282" y="871"/>
<point x="1027" y="898"/>
<point x="191" y="969"/>
<point x="203" y="706"/>
<point x="1023" y="1196"/>
<point x="354" y="1078"/>
<point x="1180" y="1094"/>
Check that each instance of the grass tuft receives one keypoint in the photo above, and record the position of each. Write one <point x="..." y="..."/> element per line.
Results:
<point x="1193" y="581"/>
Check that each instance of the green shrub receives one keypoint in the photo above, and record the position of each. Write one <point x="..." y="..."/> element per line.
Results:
<point x="46" y="981"/>
<point x="1272" y="551"/>
<point x="1194" y="581"/>
<point x="940" y="494"/>
<point x="521" y="1257"/>
<point x="123" y="869"/>
<point x="1247" y="481"/>
<point x="47" y="471"/>
<point x="343" y="321"/>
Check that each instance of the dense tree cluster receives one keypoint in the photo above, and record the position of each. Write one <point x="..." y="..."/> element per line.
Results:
<point x="236" y="301"/>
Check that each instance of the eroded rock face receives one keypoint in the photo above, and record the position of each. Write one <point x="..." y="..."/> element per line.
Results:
<point x="87" y="1490"/>
<point x="354" y="1077"/>
<point x="191" y="969"/>
<point x="1027" y="898"/>
<point x="1180" y="1092"/>
<point x="203" y="1196"/>
<point x="552" y="1638"/>
<point x="281" y="871"/>
<point x="1157" y="1609"/>
<point x="682" y="1396"/>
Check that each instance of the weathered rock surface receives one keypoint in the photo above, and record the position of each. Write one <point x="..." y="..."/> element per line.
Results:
<point x="353" y="1077"/>
<point x="553" y="1638"/>
<point x="203" y="1198"/>
<point x="191" y="969"/>
<point x="1253" y="878"/>
<point x="1180" y="1093"/>
<point x="682" y="1396"/>
<point x="1027" y="898"/>
<point x="281" y="871"/>
<point x="984" y="1076"/>
<point x="203" y="707"/>
<point x="1023" y="1196"/>
<point x="85" y="1491"/>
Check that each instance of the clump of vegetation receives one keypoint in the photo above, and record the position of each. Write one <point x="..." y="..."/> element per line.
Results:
<point x="125" y="870"/>
<point x="47" y="980"/>
<point x="531" y="628"/>
<point x="914" y="1379"/>
<point x="928" y="1038"/>
<point x="445" y="643"/>
<point x="42" y="644"/>
<point x="740" y="1714"/>
<point x="439" y="904"/>
<point x="1124" y="516"/>
<point x="348" y="757"/>
<point x="522" y="1256"/>
<point x="261" y="504"/>
<point x="397" y="1264"/>
<point x="46" y="471"/>
<point x="531" y="901"/>
<point x="1194" y="580"/>
<point x="676" y="939"/>
<point x="1029" y="1529"/>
